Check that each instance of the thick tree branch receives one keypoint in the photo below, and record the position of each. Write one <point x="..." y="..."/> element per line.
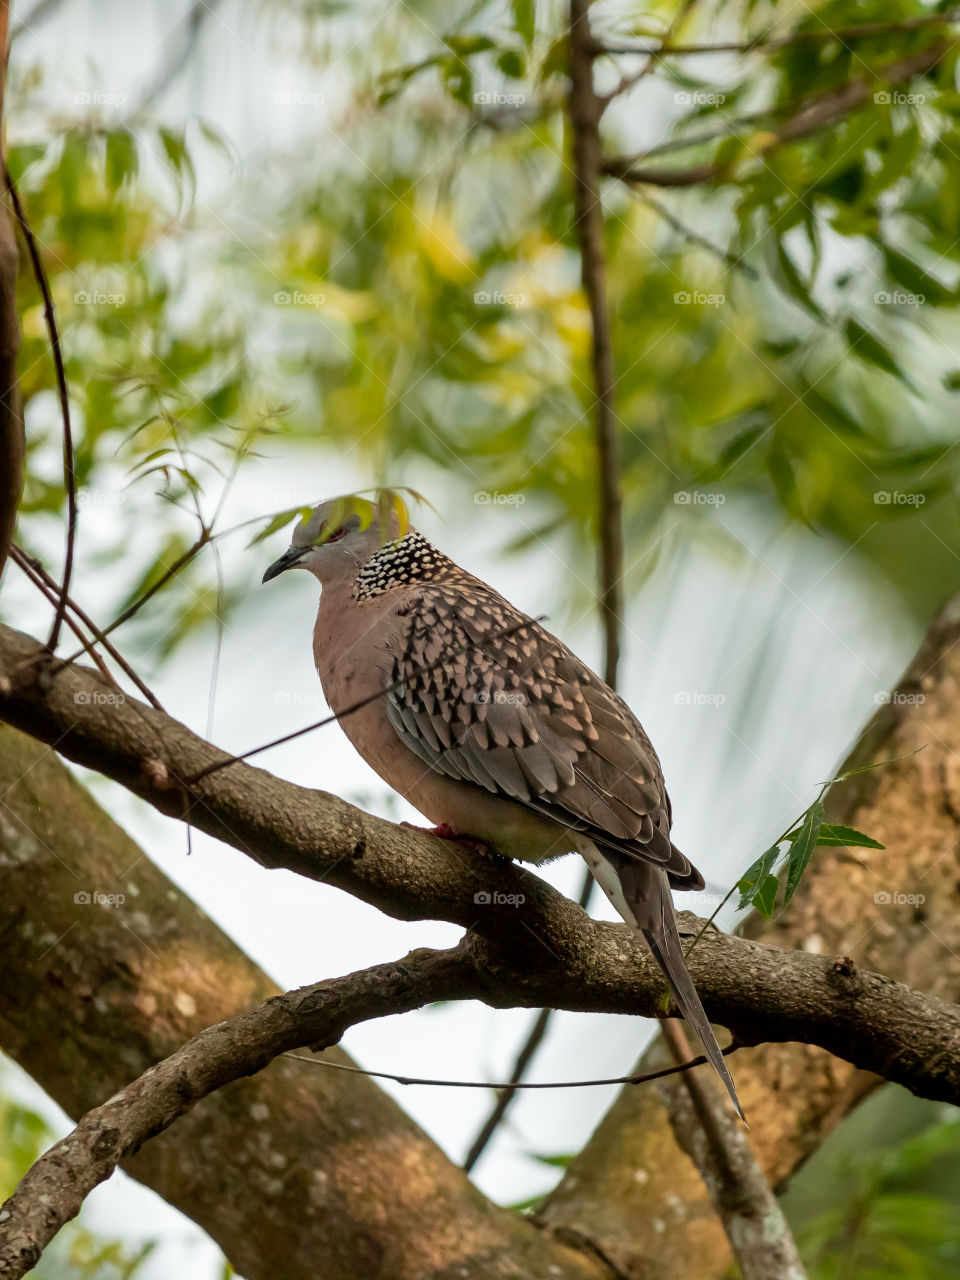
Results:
<point x="54" y="1188"/>
<point x="559" y="958"/>
<point x="816" y="114"/>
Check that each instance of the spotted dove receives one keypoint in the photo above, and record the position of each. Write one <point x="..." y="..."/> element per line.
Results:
<point x="490" y="726"/>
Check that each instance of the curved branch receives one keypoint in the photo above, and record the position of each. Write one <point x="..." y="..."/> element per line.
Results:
<point x="54" y="1188"/>
<point x="817" y="114"/>
<point x="559" y="958"/>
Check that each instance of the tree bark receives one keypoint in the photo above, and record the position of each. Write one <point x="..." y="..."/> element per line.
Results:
<point x="294" y="1172"/>
<point x="632" y="1189"/>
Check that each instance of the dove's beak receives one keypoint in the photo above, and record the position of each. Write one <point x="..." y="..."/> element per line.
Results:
<point x="291" y="557"/>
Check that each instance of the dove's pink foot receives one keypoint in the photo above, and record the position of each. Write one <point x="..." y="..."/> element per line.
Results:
<point x="446" y="832"/>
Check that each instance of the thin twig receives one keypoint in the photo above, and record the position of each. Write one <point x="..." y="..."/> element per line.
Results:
<point x="141" y="600"/>
<point x="514" y="1084"/>
<point x="731" y="259"/>
<point x="69" y="473"/>
<point x="708" y="1132"/>
<point x="585" y="111"/>
<point x="863" y="32"/>
<point x="49" y="589"/>
<point x="96" y="633"/>
<point x="818" y="113"/>
<point x="654" y="54"/>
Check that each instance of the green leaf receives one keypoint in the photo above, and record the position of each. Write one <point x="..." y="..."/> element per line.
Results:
<point x="802" y="844"/>
<point x="754" y="876"/>
<point x="122" y="159"/>
<point x="868" y="347"/>
<point x="766" y="896"/>
<point x="835" y="833"/>
<point x="277" y="522"/>
<point x="525" y="20"/>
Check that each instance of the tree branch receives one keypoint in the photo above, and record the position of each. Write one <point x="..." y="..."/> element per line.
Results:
<point x="12" y="445"/>
<point x="54" y="1188"/>
<point x="585" y="110"/>
<point x="822" y="35"/>
<point x="709" y="1133"/>
<point x="818" y="113"/>
<point x="69" y="472"/>
<point x="560" y="958"/>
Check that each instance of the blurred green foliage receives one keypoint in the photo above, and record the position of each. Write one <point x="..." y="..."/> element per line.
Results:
<point x="416" y="298"/>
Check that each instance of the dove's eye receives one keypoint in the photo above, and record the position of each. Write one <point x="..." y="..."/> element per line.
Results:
<point x="335" y="536"/>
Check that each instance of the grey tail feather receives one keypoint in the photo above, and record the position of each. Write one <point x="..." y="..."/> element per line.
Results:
<point x="647" y="894"/>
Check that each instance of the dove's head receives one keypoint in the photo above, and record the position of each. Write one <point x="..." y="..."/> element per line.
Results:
<point x="337" y="538"/>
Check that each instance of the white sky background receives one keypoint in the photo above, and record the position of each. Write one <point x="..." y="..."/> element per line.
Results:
<point x="797" y="639"/>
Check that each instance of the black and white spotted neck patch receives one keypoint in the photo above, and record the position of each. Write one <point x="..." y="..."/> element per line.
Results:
<point x="398" y="564"/>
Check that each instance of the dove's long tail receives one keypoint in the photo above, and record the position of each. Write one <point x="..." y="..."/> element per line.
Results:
<point x="641" y="894"/>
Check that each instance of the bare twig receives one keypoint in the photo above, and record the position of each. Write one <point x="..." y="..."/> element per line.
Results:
<point x="731" y="259"/>
<point x="181" y="562"/>
<point x="707" y="1130"/>
<point x="69" y="474"/>
<point x="645" y="1078"/>
<point x="48" y="589"/>
<point x="12" y="445"/>
<point x="585" y="111"/>
<point x="816" y="114"/>
<point x="98" y="637"/>
<point x="823" y="35"/>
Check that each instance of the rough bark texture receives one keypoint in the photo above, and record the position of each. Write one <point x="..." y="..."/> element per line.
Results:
<point x="294" y="1172"/>
<point x="632" y="1189"/>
